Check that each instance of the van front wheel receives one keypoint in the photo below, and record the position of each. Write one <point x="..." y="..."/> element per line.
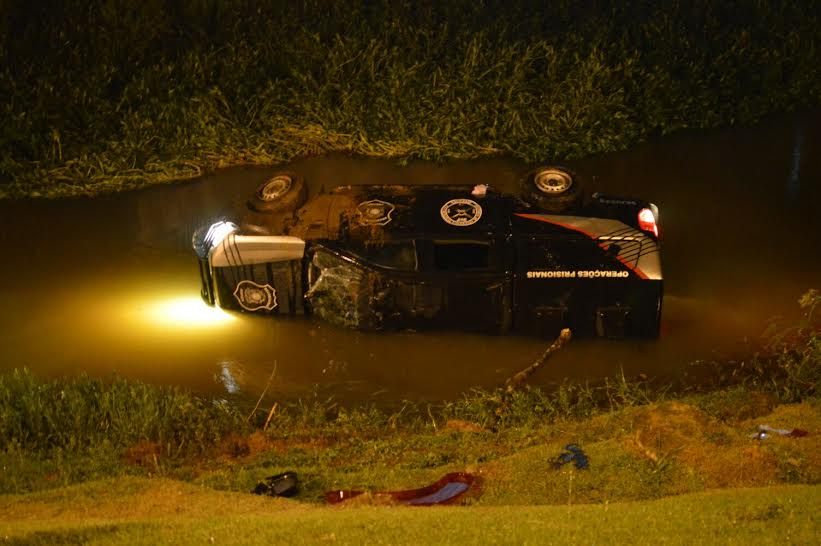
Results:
<point x="282" y="192"/>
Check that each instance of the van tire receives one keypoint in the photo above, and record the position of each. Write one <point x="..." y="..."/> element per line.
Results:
<point x="551" y="189"/>
<point x="282" y="192"/>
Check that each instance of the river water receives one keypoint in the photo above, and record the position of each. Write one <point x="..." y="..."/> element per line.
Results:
<point x="110" y="285"/>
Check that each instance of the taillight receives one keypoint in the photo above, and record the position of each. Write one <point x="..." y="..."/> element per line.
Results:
<point x="647" y="222"/>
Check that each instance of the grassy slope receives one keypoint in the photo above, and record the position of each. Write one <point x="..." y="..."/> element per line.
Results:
<point x="671" y="450"/>
<point x="637" y="453"/>
<point x="144" y="511"/>
<point x="104" y="96"/>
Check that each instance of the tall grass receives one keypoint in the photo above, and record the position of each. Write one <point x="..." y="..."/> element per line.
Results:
<point x="57" y="432"/>
<point x="792" y="367"/>
<point x="108" y="95"/>
<point x="79" y="414"/>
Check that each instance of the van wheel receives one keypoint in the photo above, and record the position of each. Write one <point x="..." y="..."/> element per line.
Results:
<point x="551" y="189"/>
<point x="283" y="192"/>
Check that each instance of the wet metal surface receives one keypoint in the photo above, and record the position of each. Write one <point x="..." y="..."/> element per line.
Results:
<point x="111" y="285"/>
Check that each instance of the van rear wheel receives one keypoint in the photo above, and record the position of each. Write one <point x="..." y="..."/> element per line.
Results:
<point x="551" y="189"/>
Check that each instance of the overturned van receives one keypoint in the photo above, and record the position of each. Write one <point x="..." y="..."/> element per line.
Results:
<point x="466" y="257"/>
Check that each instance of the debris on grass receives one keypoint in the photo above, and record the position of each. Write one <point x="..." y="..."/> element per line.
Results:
<point x="572" y="454"/>
<point x="764" y="431"/>
<point x="452" y="488"/>
<point x="280" y="485"/>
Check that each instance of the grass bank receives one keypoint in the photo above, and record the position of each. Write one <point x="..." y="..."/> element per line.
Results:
<point x="105" y="96"/>
<point x="140" y="511"/>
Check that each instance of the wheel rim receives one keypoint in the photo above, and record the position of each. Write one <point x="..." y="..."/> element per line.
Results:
<point x="275" y="188"/>
<point x="553" y="181"/>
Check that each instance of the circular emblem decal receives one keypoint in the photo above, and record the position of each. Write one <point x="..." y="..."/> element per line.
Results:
<point x="253" y="297"/>
<point x="374" y="212"/>
<point x="461" y="212"/>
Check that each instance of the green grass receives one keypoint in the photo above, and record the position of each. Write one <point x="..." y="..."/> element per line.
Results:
<point x="75" y="414"/>
<point x="107" y="95"/>
<point x="636" y="453"/>
<point x="152" y="512"/>
<point x="639" y="451"/>
<point x="675" y="471"/>
<point x="63" y="431"/>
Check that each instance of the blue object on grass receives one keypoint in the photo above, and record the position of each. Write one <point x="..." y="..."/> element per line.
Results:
<point x="574" y="454"/>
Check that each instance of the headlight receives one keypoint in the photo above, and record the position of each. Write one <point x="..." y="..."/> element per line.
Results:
<point x="204" y="240"/>
<point x="217" y="232"/>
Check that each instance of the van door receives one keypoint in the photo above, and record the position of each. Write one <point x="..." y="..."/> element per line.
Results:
<point x="565" y="282"/>
<point x="474" y="284"/>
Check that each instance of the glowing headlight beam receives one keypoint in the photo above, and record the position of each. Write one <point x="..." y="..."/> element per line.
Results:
<point x="187" y="312"/>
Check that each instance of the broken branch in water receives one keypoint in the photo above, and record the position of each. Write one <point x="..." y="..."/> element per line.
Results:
<point x="514" y="382"/>
<point x="270" y="416"/>
<point x="261" y="396"/>
<point x="517" y="380"/>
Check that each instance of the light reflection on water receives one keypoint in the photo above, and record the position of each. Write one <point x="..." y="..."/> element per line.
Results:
<point x="186" y="312"/>
<point x="231" y="375"/>
<point x="88" y="284"/>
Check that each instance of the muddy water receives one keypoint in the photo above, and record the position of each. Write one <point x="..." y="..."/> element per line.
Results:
<point x="110" y="284"/>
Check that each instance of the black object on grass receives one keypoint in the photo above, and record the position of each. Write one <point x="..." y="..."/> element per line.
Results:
<point x="281" y="485"/>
